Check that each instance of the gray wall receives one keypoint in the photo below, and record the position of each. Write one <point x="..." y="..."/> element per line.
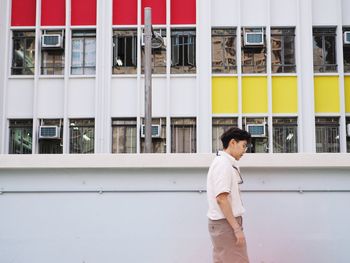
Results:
<point x="158" y="215"/>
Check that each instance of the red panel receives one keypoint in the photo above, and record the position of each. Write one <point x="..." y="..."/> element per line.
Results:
<point x="158" y="11"/>
<point x="23" y="12"/>
<point x="53" y="12"/>
<point x="83" y="12"/>
<point x="183" y="12"/>
<point x="124" y="12"/>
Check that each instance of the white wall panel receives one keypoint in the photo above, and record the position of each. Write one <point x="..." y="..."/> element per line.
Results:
<point x="81" y="97"/>
<point x="283" y="12"/>
<point x="224" y="13"/>
<point x="183" y="97"/>
<point x="124" y="97"/>
<point x="324" y="12"/>
<point x="20" y="98"/>
<point x="254" y="12"/>
<point x="159" y="106"/>
<point x="50" y="98"/>
<point x="345" y="9"/>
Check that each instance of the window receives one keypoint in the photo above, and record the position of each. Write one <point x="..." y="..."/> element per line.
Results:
<point x="259" y="142"/>
<point x="124" y="51"/>
<point x="158" y="56"/>
<point x="285" y="135"/>
<point x="283" y="50"/>
<point x="327" y="134"/>
<point x="346" y="51"/>
<point x="220" y="125"/>
<point x="52" y="58"/>
<point x="82" y="135"/>
<point x="324" y="50"/>
<point x="83" y="52"/>
<point x="183" y="51"/>
<point x="21" y="132"/>
<point x="183" y="135"/>
<point x="253" y="56"/>
<point x="124" y="136"/>
<point x="223" y="47"/>
<point x="158" y="141"/>
<point x="23" y="56"/>
<point x="48" y="144"/>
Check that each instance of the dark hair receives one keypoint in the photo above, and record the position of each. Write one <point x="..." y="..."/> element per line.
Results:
<point x="236" y="134"/>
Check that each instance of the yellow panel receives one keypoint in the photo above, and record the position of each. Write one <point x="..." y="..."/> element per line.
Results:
<point x="327" y="94"/>
<point x="254" y="95"/>
<point x="347" y="94"/>
<point x="224" y="95"/>
<point x="284" y="95"/>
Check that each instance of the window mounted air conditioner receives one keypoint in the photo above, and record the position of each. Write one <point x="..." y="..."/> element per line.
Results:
<point x="347" y="37"/>
<point x="257" y="130"/>
<point x="49" y="132"/>
<point x="254" y="38"/>
<point x="51" y="41"/>
<point x="156" y="131"/>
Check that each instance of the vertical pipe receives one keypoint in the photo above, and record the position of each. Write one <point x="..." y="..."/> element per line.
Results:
<point x="148" y="80"/>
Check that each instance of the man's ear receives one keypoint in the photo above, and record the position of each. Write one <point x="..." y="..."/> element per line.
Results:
<point x="233" y="141"/>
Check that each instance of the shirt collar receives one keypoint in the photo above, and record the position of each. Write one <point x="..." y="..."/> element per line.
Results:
<point x="229" y="157"/>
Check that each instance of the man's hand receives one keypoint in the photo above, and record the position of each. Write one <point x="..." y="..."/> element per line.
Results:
<point x="240" y="237"/>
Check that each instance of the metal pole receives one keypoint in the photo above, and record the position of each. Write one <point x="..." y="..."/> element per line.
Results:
<point x="148" y="80"/>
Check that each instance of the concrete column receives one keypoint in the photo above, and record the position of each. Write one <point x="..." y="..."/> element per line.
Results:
<point x="203" y="57"/>
<point x="306" y="119"/>
<point x="4" y="9"/>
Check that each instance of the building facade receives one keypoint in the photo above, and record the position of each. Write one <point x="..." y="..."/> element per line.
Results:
<point x="72" y="77"/>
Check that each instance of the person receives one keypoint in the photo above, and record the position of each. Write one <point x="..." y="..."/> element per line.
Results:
<point x="225" y="206"/>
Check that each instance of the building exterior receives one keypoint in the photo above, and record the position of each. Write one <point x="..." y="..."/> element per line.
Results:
<point x="73" y="186"/>
<point x="277" y="68"/>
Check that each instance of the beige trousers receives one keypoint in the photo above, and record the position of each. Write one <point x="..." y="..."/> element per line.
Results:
<point x="223" y="238"/>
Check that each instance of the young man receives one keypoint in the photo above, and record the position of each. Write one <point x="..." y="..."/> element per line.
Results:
<point x="225" y="205"/>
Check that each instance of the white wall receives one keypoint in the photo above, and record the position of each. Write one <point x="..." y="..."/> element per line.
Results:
<point x="293" y="214"/>
<point x="20" y="93"/>
<point x="81" y="97"/>
<point x="50" y="98"/>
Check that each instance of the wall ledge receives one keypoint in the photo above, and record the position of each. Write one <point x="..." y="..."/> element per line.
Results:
<point x="298" y="160"/>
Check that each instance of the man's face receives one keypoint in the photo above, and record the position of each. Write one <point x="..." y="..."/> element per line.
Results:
<point x="238" y="148"/>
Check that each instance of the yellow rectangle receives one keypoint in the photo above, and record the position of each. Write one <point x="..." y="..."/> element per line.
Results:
<point x="254" y="95"/>
<point x="347" y="94"/>
<point x="327" y="94"/>
<point x="284" y="94"/>
<point x="224" y="95"/>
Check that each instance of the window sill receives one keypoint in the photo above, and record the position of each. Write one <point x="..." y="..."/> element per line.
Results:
<point x="21" y="77"/>
<point x="82" y="76"/>
<point x="51" y="77"/>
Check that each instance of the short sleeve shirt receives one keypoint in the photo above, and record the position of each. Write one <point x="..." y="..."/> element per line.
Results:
<point x="223" y="178"/>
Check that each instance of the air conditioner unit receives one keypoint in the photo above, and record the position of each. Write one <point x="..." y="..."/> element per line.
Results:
<point x="348" y="130"/>
<point x="257" y="130"/>
<point x="49" y="132"/>
<point x="347" y="37"/>
<point x="51" y="41"/>
<point x="156" y="131"/>
<point x="254" y="38"/>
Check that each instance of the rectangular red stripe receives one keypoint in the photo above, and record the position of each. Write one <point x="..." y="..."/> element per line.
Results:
<point x="83" y="13"/>
<point x="53" y="12"/>
<point x="158" y="11"/>
<point x="23" y="12"/>
<point x="183" y="12"/>
<point x="124" y="12"/>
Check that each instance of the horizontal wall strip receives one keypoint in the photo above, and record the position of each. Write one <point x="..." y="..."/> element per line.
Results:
<point x="84" y="161"/>
<point x="165" y="191"/>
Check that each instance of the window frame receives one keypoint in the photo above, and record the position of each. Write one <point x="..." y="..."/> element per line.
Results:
<point x="285" y="32"/>
<point x="176" y="65"/>
<point x="183" y="125"/>
<point x="24" y="126"/>
<point x="225" y="69"/>
<point x="128" y="123"/>
<point x="124" y="69"/>
<point x="25" y="71"/>
<point x="54" y="68"/>
<point x="84" y="124"/>
<point x="83" y="34"/>
<point x="324" y="32"/>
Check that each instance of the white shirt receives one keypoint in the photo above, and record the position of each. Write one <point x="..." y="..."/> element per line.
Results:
<point x="223" y="178"/>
